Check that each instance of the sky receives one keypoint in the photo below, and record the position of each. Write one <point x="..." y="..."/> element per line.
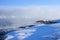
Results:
<point x="28" y="11"/>
<point x="28" y="2"/>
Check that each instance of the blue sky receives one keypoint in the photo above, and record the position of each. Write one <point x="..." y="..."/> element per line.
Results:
<point x="28" y="2"/>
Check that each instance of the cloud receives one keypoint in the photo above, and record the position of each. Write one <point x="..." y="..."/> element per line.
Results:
<point x="22" y="34"/>
<point x="35" y="12"/>
<point x="48" y="36"/>
<point x="42" y="13"/>
<point x="29" y="14"/>
<point x="9" y="37"/>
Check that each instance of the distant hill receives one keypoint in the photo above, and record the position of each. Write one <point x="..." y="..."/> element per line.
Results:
<point x="48" y="21"/>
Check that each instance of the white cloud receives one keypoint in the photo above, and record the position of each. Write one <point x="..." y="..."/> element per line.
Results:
<point x="28" y="15"/>
<point x="22" y="34"/>
<point x="9" y="37"/>
<point x="35" y="12"/>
